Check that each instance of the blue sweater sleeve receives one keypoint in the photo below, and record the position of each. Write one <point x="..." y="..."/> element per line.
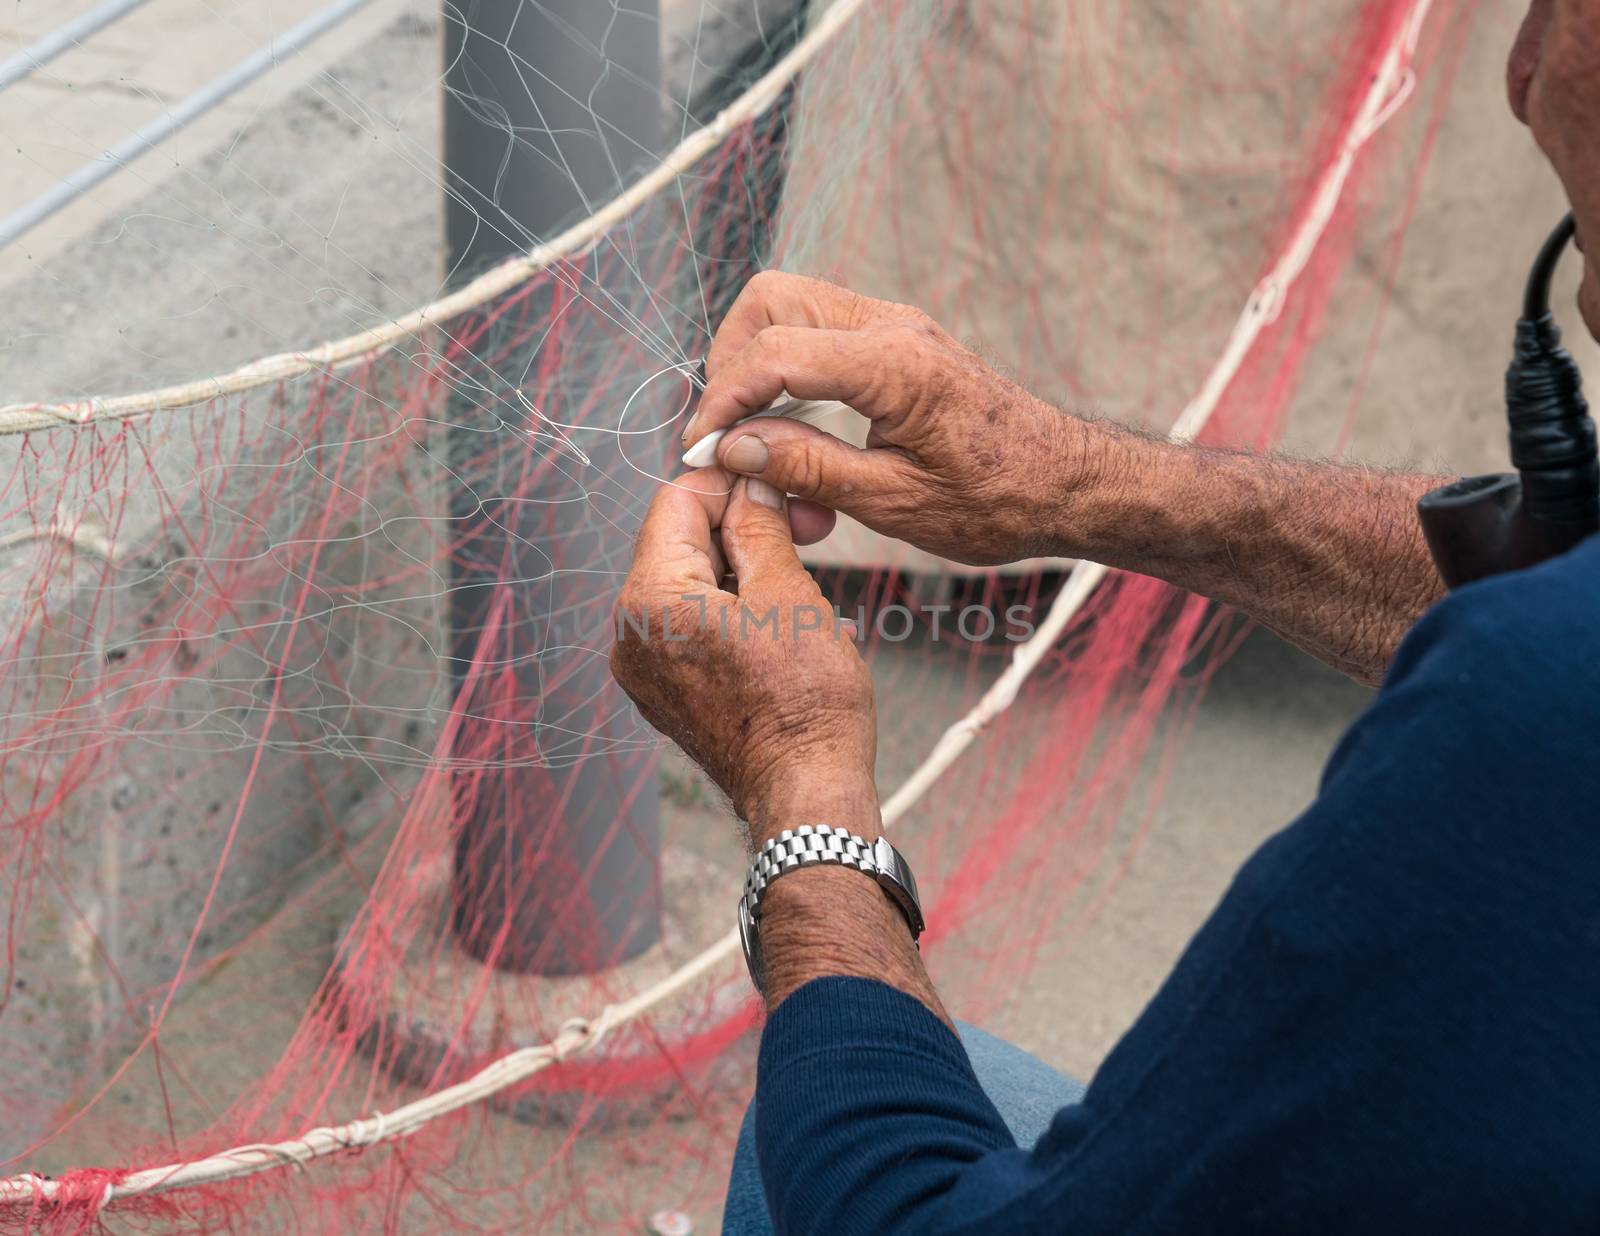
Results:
<point x="1391" y="1022"/>
<point x="868" y="1114"/>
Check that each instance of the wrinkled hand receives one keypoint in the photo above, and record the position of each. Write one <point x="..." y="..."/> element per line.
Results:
<point x="761" y="687"/>
<point x="959" y="461"/>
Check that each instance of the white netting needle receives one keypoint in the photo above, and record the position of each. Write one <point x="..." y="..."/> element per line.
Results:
<point x="704" y="452"/>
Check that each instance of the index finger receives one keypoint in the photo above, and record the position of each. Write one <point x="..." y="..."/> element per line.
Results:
<point x="773" y="298"/>
<point x="881" y="372"/>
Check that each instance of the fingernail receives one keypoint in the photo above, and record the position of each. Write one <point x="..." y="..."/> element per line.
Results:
<point x="760" y="491"/>
<point x="748" y="454"/>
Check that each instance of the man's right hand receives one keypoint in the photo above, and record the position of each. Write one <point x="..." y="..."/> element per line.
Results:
<point x="965" y="464"/>
<point x="959" y="461"/>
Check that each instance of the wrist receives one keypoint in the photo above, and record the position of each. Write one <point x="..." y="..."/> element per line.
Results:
<point x="841" y="796"/>
<point x="826" y="920"/>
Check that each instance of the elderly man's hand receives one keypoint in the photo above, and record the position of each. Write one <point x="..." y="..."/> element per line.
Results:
<point x="959" y="461"/>
<point x="755" y="680"/>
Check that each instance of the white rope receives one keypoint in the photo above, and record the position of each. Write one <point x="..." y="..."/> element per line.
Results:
<point x="81" y="536"/>
<point x="1265" y="303"/>
<point x="374" y="341"/>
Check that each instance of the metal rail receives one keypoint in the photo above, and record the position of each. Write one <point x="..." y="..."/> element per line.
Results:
<point x="188" y="109"/>
<point x="63" y="38"/>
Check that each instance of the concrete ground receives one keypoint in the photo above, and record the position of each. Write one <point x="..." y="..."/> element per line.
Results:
<point x="356" y="235"/>
<point x="76" y="106"/>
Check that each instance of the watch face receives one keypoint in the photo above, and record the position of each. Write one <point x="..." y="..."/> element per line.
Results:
<point x="903" y="871"/>
<point x="895" y="878"/>
<point x="750" y="940"/>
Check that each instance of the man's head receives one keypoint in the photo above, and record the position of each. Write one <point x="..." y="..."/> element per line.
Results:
<point x="1554" y="80"/>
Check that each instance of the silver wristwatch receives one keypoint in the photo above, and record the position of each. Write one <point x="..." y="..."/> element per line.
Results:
<point x="807" y="846"/>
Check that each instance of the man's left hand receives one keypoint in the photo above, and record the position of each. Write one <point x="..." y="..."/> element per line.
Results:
<point x="757" y="680"/>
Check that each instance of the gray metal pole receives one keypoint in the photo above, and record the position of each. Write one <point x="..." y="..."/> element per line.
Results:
<point x="550" y="108"/>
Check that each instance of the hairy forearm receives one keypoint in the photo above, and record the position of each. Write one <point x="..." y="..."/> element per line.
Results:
<point x="828" y="921"/>
<point x="1329" y="556"/>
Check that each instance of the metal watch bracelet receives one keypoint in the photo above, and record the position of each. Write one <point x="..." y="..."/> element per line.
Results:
<point x="811" y="845"/>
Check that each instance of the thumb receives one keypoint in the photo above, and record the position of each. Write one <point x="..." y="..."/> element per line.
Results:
<point x="803" y="460"/>
<point x="758" y="541"/>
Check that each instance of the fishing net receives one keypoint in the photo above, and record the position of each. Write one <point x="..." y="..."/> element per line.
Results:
<point x="343" y="890"/>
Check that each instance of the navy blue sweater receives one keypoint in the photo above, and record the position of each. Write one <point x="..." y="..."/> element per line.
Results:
<point x="1391" y="1023"/>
